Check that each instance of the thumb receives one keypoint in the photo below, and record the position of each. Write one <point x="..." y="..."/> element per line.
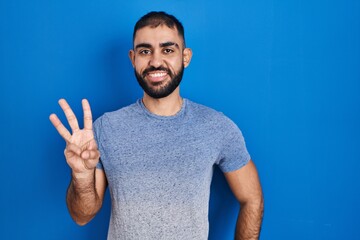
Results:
<point x="90" y="154"/>
<point x="71" y="149"/>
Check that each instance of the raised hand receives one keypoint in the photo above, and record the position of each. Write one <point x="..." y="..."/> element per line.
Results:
<point x="81" y="151"/>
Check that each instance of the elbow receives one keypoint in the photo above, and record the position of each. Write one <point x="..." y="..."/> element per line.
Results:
<point x="83" y="220"/>
<point x="81" y="223"/>
<point x="83" y="214"/>
<point x="259" y="203"/>
<point x="255" y="203"/>
<point x="261" y="206"/>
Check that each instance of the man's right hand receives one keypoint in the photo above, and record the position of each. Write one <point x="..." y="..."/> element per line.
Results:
<point x="81" y="151"/>
<point x="87" y="187"/>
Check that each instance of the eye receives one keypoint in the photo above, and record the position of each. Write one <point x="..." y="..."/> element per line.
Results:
<point x="145" y="52"/>
<point x="168" y="50"/>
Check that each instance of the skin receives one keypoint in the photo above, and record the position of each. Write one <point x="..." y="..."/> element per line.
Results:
<point x="150" y="50"/>
<point x="156" y="47"/>
<point x="87" y="186"/>
<point x="246" y="187"/>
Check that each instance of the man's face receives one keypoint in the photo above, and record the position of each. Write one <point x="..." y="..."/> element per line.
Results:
<point x="159" y="59"/>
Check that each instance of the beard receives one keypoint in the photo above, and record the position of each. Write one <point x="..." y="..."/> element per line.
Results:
<point x="160" y="89"/>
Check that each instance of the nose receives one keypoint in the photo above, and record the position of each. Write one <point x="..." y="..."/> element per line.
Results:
<point x="156" y="60"/>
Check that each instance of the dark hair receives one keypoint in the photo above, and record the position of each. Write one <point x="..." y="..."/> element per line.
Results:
<point x="155" y="19"/>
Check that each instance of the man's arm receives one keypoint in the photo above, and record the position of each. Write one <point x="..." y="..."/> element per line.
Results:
<point x="85" y="196"/>
<point x="87" y="187"/>
<point x="246" y="187"/>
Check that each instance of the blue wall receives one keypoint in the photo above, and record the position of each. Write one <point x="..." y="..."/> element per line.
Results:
<point x="287" y="72"/>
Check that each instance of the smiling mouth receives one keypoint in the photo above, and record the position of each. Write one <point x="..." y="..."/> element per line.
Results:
<point x="157" y="76"/>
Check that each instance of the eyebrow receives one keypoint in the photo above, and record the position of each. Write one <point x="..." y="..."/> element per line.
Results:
<point x="143" y="45"/>
<point x="168" y="44"/>
<point x="165" y="44"/>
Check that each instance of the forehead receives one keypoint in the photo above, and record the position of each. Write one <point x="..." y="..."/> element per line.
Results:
<point x="157" y="35"/>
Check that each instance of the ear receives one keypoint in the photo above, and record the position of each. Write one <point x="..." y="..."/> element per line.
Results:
<point x="132" y="57"/>
<point x="187" y="54"/>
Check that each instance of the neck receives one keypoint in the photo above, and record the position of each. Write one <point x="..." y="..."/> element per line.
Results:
<point x="167" y="106"/>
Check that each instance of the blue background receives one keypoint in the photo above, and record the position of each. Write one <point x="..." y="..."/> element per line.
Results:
<point x="287" y="72"/>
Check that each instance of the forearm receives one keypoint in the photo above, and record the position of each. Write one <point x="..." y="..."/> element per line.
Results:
<point x="249" y="221"/>
<point x="82" y="199"/>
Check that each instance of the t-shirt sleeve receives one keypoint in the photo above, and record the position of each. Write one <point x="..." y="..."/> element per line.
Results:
<point x="97" y="130"/>
<point x="234" y="154"/>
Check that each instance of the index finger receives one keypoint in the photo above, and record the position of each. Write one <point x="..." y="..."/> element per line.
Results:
<point x="87" y="115"/>
<point x="60" y="127"/>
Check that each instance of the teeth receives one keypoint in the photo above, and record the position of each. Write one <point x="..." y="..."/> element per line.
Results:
<point x="161" y="74"/>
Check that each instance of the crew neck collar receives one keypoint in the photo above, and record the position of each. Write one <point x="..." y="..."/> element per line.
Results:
<point x="179" y="114"/>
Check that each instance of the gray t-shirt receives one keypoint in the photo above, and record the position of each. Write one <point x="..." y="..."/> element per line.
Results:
<point x="159" y="168"/>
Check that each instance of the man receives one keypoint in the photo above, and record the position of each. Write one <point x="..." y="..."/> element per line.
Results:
<point x="158" y="154"/>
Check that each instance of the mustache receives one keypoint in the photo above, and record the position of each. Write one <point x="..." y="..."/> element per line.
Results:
<point x="151" y="69"/>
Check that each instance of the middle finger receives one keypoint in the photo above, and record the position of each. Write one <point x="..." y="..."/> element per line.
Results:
<point x="70" y="116"/>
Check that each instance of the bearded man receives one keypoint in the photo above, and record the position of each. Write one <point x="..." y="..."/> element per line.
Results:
<point x="157" y="155"/>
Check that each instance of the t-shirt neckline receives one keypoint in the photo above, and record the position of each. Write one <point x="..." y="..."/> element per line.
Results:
<point x="179" y="114"/>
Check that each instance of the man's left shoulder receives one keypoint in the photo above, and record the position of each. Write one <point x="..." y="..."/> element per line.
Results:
<point x="208" y="114"/>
